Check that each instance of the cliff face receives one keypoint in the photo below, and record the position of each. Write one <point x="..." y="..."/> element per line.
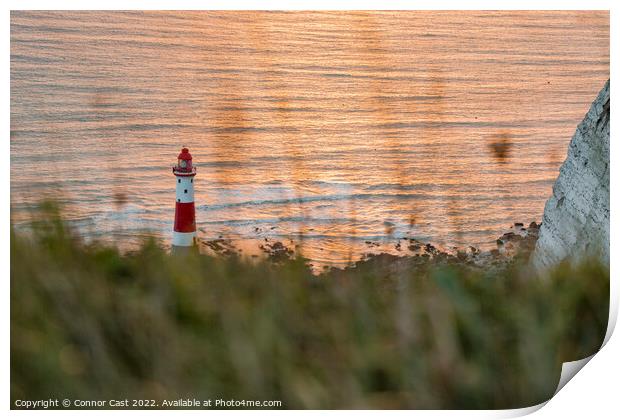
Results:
<point x="576" y="218"/>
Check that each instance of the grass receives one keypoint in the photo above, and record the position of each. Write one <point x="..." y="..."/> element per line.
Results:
<point x="88" y="322"/>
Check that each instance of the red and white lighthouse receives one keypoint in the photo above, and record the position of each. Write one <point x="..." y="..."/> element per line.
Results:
<point x="185" y="213"/>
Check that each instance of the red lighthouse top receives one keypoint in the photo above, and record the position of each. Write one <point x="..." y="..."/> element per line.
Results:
<point x="184" y="165"/>
<point x="185" y="155"/>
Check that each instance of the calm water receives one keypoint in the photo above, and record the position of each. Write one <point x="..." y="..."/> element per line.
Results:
<point x="332" y="128"/>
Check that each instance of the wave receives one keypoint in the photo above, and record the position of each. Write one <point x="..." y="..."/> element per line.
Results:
<point x="301" y="200"/>
<point x="276" y="220"/>
<point x="362" y="196"/>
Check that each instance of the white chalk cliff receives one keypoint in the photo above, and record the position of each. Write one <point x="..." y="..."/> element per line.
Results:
<point x="576" y="219"/>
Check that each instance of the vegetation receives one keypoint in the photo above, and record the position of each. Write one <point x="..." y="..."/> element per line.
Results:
<point x="88" y="322"/>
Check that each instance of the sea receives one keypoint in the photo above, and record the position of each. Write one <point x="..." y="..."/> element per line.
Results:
<point x="339" y="134"/>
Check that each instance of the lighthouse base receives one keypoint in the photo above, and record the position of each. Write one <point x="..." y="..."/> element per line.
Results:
<point x="183" y="238"/>
<point x="179" y="251"/>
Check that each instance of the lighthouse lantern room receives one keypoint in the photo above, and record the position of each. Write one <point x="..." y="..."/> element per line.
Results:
<point x="184" y="233"/>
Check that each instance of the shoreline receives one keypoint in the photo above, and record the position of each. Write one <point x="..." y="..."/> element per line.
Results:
<point x="518" y="242"/>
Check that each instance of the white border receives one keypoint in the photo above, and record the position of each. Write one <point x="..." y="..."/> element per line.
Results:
<point x="313" y="5"/>
<point x="593" y="394"/>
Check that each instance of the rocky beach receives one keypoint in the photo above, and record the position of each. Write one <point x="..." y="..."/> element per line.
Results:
<point x="516" y="244"/>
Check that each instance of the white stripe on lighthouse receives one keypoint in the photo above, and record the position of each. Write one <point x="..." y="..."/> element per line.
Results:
<point x="185" y="189"/>
<point x="183" y="238"/>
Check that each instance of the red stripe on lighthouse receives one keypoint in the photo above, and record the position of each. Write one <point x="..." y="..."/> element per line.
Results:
<point x="184" y="218"/>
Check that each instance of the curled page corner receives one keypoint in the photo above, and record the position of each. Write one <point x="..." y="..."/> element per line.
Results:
<point x="569" y="370"/>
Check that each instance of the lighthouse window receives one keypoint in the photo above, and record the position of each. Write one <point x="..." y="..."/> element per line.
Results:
<point x="185" y="191"/>
<point x="178" y="200"/>
<point x="179" y="180"/>
<point x="191" y="180"/>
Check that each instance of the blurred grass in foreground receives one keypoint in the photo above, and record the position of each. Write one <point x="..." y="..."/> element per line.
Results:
<point x="90" y="323"/>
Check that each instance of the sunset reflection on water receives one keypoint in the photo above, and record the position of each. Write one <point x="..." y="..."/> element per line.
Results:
<point x="330" y="130"/>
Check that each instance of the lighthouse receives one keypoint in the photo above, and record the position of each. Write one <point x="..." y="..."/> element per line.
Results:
<point x="184" y="234"/>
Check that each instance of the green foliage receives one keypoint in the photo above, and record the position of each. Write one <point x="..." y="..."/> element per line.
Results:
<point x="88" y="322"/>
